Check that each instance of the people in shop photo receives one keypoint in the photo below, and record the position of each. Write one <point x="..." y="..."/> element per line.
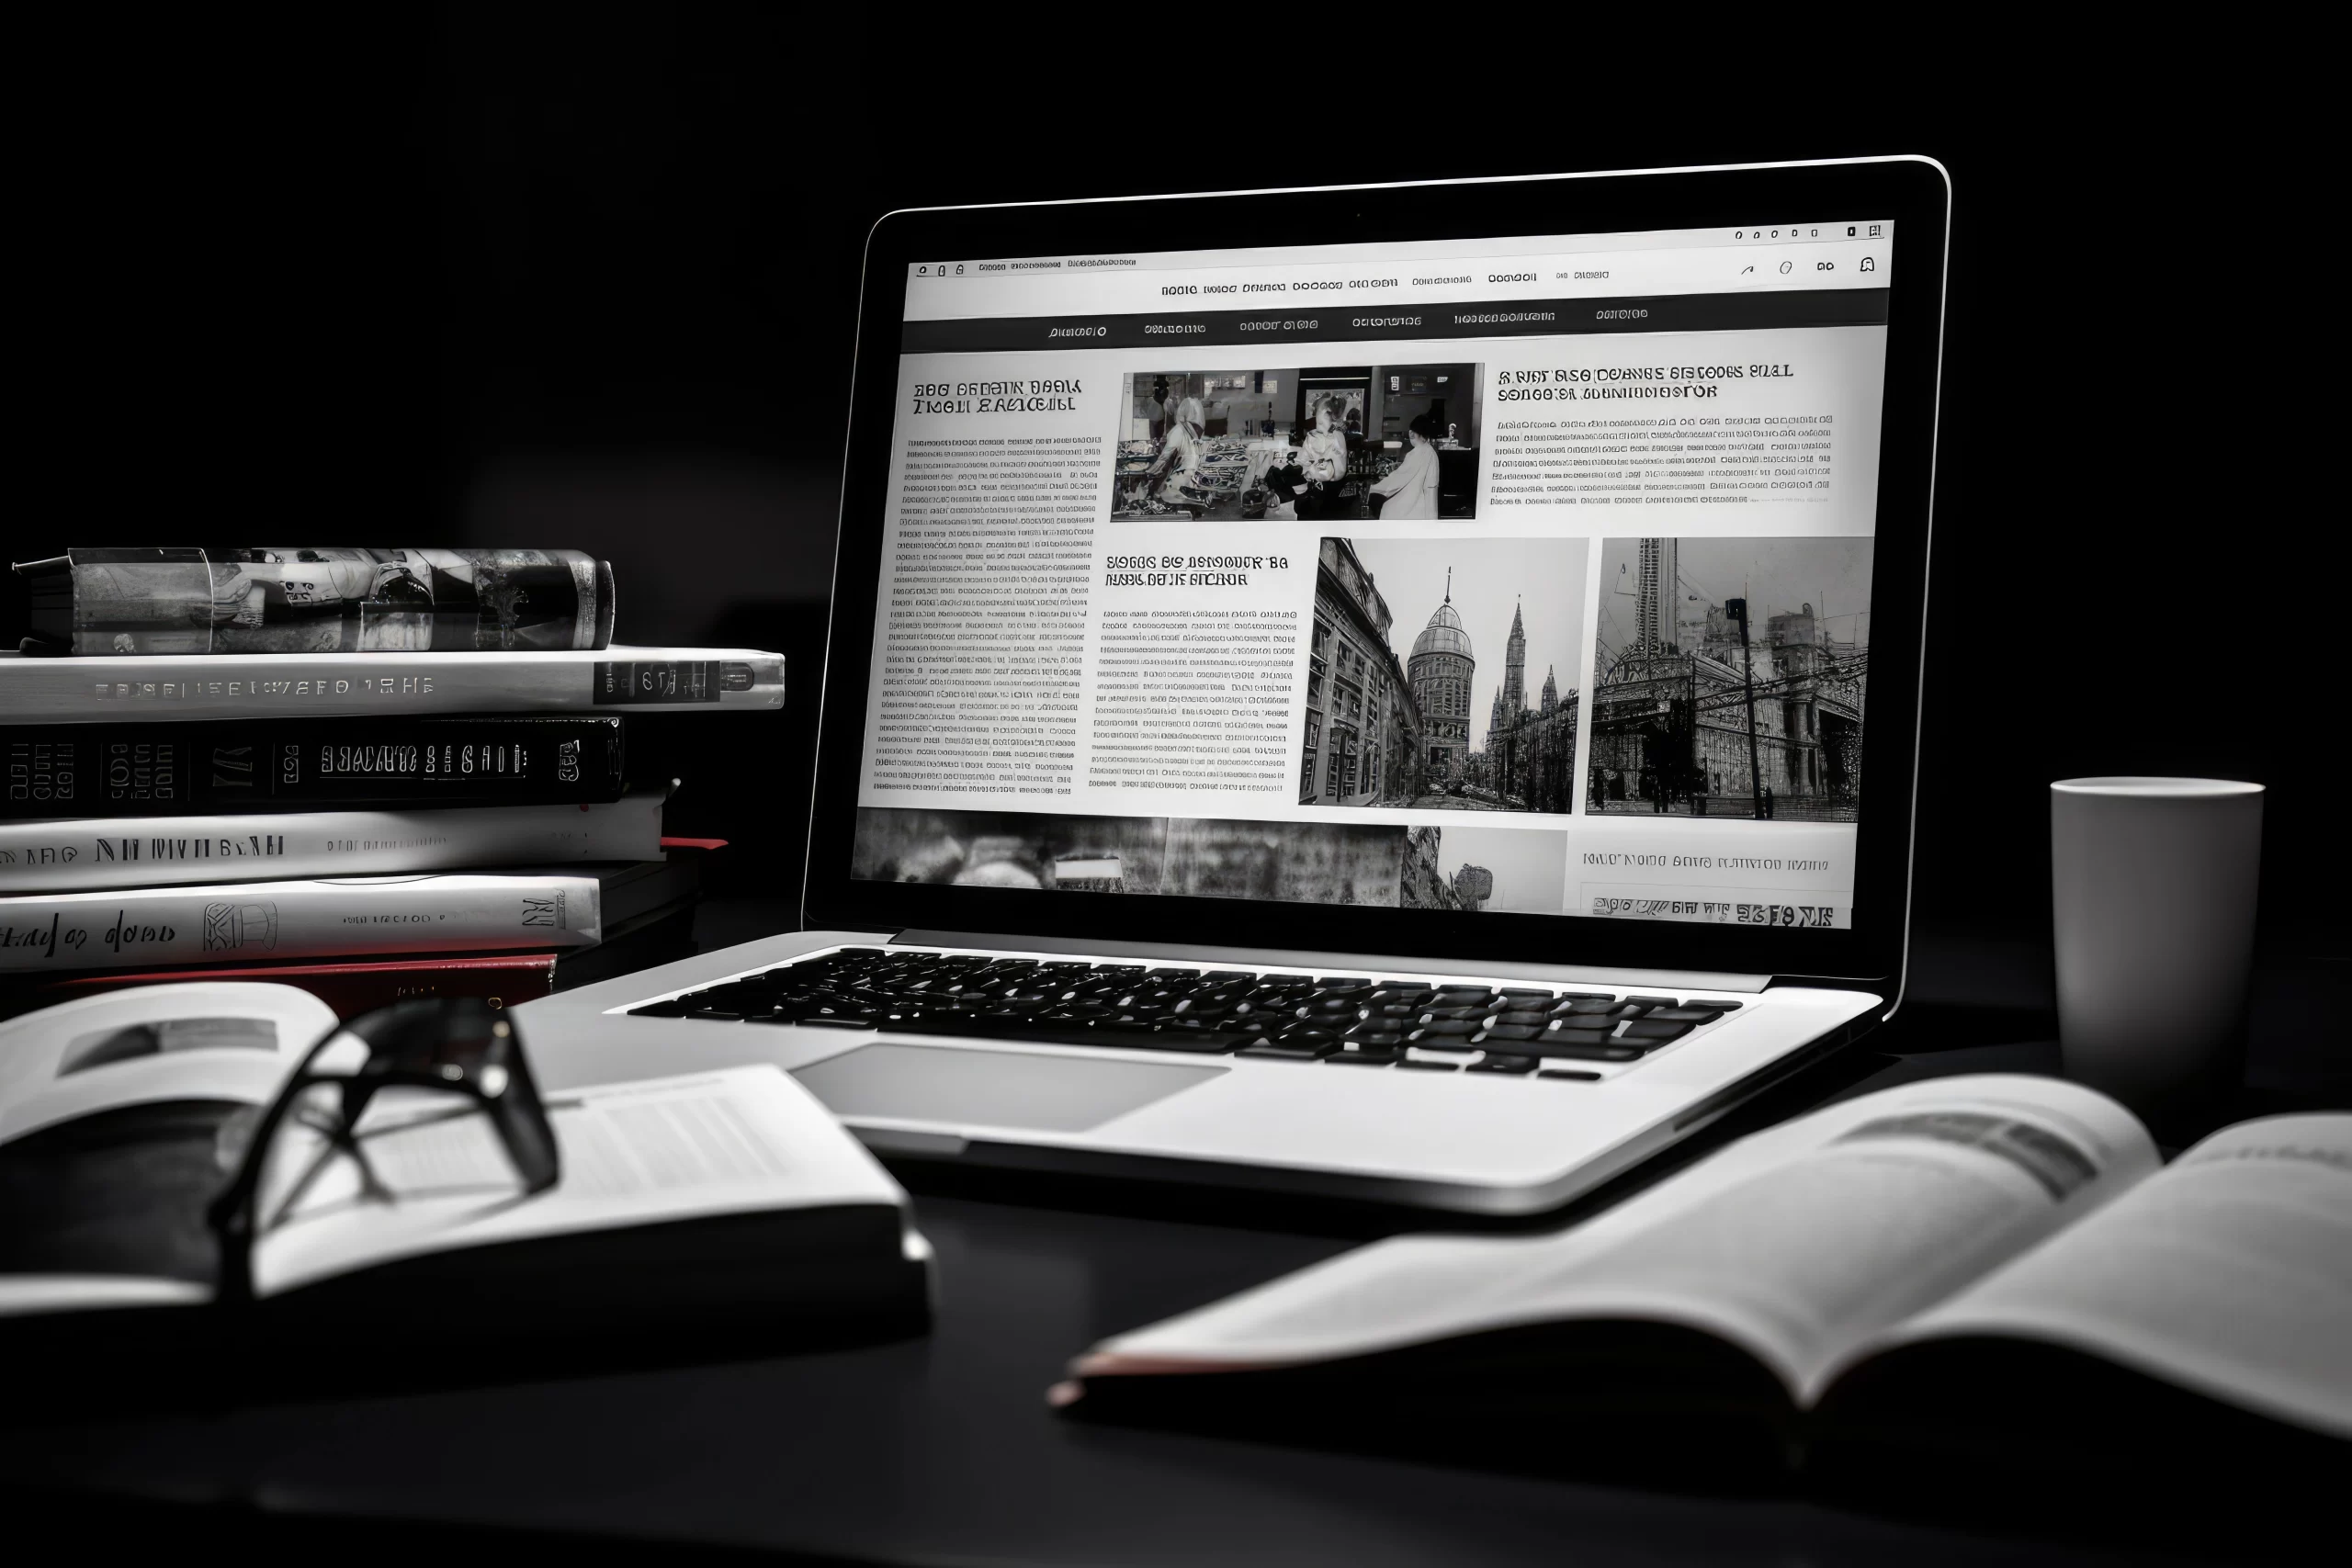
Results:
<point x="1394" y="443"/>
<point x="1435" y="678"/>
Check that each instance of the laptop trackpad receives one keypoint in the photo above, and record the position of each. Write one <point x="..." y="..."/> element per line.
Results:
<point x="994" y="1088"/>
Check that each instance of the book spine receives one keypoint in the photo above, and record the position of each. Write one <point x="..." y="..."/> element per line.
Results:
<point x="319" y="599"/>
<point x="506" y="980"/>
<point x="336" y="685"/>
<point x="85" y="855"/>
<point x="138" y="770"/>
<point x="258" y="920"/>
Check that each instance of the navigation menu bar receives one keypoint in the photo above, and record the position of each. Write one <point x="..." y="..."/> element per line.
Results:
<point x="1339" y="322"/>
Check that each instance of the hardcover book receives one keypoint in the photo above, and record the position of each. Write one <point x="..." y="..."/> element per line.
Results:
<point x="348" y="986"/>
<point x="249" y="922"/>
<point x="316" y="598"/>
<point x="86" y="855"/>
<point x="144" y="770"/>
<point x="648" y="921"/>
<point x="138" y="687"/>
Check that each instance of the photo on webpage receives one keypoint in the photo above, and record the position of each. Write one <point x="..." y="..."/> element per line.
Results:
<point x="1433" y="674"/>
<point x="1395" y="442"/>
<point x="1491" y="869"/>
<point x="1728" y="678"/>
<point x="1363" y="865"/>
<point x="1296" y="862"/>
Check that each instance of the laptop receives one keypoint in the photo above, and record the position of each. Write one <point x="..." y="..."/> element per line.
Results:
<point x="1400" y="692"/>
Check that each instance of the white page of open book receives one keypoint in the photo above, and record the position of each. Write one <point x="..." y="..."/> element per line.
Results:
<point x="55" y="1064"/>
<point x="2229" y="1273"/>
<point x="1793" y="1243"/>
<point x="738" y="1140"/>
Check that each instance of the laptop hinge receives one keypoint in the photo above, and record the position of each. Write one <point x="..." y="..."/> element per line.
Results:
<point x="1342" y="963"/>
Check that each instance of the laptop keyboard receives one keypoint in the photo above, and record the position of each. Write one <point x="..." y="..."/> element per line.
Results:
<point x="1340" y="1019"/>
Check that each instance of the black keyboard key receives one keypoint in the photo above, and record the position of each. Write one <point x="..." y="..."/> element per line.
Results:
<point x="1515" y="1065"/>
<point x="1172" y="974"/>
<point x="1574" y="1047"/>
<point x="1507" y="1032"/>
<point x="1455" y="1015"/>
<point x="1652" y="1031"/>
<point x="1200" y="1041"/>
<point x="1289" y="1050"/>
<point x="1227" y="976"/>
<point x="677" y="1006"/>
<point x="1689" y="1015"/>
<point x="1712" y="1004"/>
<point x="1445" y="1028"/>
<point x="860" y="953"/>
<point x="1652" y="1002"/>
<point x="1463" y="996"/>
<point x="1368" y="1056"/>
<point x="719" y="1012"/>
<point x="1542" y="998"/>
<point x="1579" y="1053"/>
<point x="1530" y="1018"/>
<point x="1398" y="1013"/>
<point x="1421" y="1067"/>
<point x="840" y="1022"/>
<point x="1576" y="1075"/>
<point x="1118" y="969"/>
<point x="1596" y="1024"/>
<point x="1285" y="980"/>
<point x="1345" y="982"/>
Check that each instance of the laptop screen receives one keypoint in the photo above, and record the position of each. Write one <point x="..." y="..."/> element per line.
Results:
<point x="1527" y="575"/>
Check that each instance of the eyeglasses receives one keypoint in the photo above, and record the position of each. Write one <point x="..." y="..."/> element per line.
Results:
<point x="456" y="1044"/>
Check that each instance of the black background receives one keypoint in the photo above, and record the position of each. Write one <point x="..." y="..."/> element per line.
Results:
<point x="587" y="278"/>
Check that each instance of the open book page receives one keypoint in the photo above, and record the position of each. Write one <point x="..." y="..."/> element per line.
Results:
<point x="2228" y="1273"/>
<point x="1794" y="1243"/>
<point x="431" y="1175"/>
<point x="204" y="1040"/>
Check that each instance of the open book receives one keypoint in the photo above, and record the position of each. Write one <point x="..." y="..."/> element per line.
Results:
<point x="718" y="1197"/>
<point x="1992" y="1264"/>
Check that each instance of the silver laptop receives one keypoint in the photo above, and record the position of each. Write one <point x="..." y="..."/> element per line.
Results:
<point x="1402" y="692"/>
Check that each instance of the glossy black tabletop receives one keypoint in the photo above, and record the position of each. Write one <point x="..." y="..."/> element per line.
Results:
<point x="940" y="1449"/>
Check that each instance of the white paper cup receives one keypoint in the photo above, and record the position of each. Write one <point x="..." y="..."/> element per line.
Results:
<point x="2152" y="886"/>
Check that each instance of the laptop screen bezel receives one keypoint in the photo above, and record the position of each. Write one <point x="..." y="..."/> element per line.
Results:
<point x="1912" y="193"/>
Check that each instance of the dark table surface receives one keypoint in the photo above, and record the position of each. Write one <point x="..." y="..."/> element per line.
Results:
<point x="940" y="1449"/>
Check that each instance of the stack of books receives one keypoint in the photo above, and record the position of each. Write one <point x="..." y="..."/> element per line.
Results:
<point x="372" y="774"/>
